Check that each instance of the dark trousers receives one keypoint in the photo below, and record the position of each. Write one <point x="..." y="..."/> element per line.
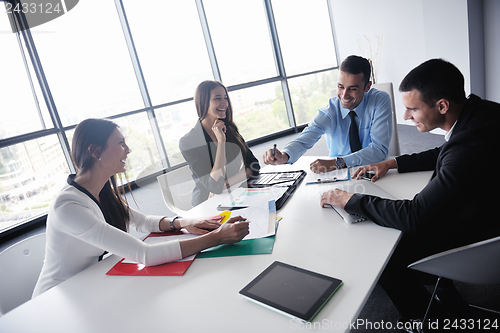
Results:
<point x="406" y="287"/>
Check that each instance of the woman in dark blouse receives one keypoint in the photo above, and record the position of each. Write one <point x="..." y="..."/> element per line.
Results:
<point x="214" y="149"/>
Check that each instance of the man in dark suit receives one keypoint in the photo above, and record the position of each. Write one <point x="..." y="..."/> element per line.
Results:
<point x="457" y="205"/>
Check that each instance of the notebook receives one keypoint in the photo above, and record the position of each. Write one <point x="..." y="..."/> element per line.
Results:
<point x="292" y="291"/>
<point x="361" y="187"/>
<point x="288" y="179"/>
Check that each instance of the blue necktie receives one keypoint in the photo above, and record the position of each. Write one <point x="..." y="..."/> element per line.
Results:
<point x="354" y="134"/>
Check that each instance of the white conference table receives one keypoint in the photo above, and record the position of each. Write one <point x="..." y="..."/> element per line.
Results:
<point x="206" y="298"/>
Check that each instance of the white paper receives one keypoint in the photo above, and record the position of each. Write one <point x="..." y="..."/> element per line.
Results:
<point x="253" y="196"/>
<point x="338" y="174"/>
<point x="262" y="221"/>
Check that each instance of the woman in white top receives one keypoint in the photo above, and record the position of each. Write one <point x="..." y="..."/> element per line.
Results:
<point x="90" y="215"/>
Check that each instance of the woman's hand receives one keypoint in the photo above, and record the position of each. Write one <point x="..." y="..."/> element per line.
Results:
<point x="199" y="226"/>
<point x="232" y="231"/>
<point x="337" y="198"/>
<point x="380" y="169"/>
<point x="219" y="129"/>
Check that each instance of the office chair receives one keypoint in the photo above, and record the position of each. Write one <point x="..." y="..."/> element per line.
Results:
<point x="394" y="143"/>
<point x="477" y="263"/>
<point x="21" y="265"/>
<point x="177" y="188"/>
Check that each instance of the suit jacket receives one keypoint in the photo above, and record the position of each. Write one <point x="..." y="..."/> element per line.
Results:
<point x="199" y="151"/>
<point x="458" y="204"/>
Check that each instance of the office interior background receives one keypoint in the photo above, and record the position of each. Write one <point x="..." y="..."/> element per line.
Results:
<point x="139" y="63"/>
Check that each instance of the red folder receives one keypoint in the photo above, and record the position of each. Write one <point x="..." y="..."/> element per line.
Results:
<point x="171" y="268"/>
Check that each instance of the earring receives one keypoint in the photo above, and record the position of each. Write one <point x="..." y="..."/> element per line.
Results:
<point x="99" y="158"/>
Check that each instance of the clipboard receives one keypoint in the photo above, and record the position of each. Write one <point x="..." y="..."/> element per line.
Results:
<point x="289" y="179"/>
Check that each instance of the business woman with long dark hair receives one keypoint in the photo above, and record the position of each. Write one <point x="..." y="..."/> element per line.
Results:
<point x="90" y="215"/>
<point x="214" y="149"/>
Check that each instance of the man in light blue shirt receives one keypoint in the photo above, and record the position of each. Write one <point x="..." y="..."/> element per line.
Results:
<point x="365" y="143"/>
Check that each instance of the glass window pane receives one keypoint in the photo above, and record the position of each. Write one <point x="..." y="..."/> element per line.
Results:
<point x="259" y="110"/>
<point x="174" y="122"/>
<point x="170" y="46"/>
<point x="18" y="103"/>
<point x="87" y="64"/>
<point x="308" y="45"/>
<point x="310" y="93"/>
<point x="144" y="158"/>
<point x="241" y="40"/>
<point x="31" y="174"/>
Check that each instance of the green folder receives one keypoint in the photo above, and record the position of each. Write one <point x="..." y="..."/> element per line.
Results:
<point x="245" y="247"/>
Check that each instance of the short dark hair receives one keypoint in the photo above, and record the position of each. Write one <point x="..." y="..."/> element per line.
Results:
<point x="355" y="65"/>
<point x="436" y="79"/>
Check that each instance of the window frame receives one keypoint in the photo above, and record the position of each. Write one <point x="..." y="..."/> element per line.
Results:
<point x="26" y="43"/>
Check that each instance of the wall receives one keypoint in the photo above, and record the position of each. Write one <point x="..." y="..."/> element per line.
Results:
<point x="492" y="49"/>
<point x="410" y="33"/>
<point x="476" y="47"/>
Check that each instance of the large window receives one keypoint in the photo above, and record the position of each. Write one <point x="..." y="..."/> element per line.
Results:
<point x="139" y="63"/>
<point x="87" y="64"/>
<point x="241" y="40"/>
<point x="22" y="107"/>
<point x="305" y="35"/>
<point x="170" y="47"/>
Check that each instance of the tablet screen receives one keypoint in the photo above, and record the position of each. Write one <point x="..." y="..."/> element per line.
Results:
<point x="295" y="291"/>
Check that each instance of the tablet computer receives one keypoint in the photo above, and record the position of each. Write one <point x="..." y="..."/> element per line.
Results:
<point x="291" y="290"/>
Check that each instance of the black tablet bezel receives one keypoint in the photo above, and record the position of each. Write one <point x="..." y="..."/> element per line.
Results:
<point x="313" y="310"/>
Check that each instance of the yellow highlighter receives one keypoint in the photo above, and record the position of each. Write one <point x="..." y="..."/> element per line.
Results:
<point x="227" y="215"/>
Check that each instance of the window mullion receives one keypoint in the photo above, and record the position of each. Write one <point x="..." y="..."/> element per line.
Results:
<point x="208" y="40"/>
<point x="330" y="14"/>
<point x="279" y="62"/>
<point x="142" y="84"/>
<point x="23" y="28"/>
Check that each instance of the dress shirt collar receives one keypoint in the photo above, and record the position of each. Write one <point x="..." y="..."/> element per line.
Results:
<point x="448" y="134"/>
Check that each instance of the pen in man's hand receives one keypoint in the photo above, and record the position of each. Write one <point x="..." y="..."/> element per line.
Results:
<point x="274" y="150"/>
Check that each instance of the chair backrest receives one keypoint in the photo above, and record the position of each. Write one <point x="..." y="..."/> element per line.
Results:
<point x="477" y="263"/>
<point x="177" y="188"/>
<point x="394" y="143"/>
<point x="20" y="265"/>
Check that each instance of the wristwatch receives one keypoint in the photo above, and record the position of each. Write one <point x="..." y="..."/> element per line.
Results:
<point x="340" y="163"/>
<point x="172" y="223"/>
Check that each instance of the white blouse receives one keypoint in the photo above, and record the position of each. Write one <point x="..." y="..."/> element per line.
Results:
<point x="77" y="234"/>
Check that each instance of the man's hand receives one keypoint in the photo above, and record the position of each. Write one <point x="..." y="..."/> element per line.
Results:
<point x="337" y="198"/>
<point x="277" y="158"/>
<point x="322" y="166"/>
<point x="380" y="169"/>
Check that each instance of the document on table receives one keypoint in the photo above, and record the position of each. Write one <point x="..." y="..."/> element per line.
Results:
<point x="248" y="197"/>
<point x="335" y="175"/>
<point x="262" y="219"/>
